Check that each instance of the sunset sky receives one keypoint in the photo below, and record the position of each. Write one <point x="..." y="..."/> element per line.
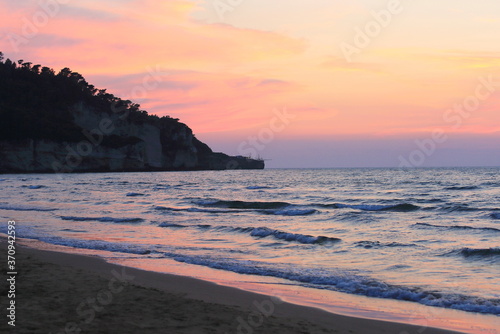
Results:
<point x="304" y="83"/>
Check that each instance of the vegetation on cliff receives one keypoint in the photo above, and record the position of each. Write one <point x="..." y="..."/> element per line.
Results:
<point x="36" y="103"/>
<point x="39" y="105"/>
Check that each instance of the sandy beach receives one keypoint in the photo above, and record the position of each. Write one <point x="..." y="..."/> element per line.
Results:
<point x="66" y="293"/>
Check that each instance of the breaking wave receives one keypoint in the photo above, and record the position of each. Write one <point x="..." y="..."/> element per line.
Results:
<point x="480" y="252"/>
<point x="281" y="235"/>
<point x="349" y="283"/>
<point x="262" y="232"/>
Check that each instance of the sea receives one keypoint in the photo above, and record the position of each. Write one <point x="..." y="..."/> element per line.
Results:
<point x="427" y="237"/>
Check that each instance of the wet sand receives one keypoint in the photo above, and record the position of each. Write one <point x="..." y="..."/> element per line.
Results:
<point x="58" y="292"/>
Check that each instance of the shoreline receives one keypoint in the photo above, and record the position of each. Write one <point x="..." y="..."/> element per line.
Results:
<point x="104" y="171"/>
<point x="217" y="308"/>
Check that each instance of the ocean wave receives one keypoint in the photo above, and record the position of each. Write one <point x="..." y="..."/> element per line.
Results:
<point x="169" y="209"/>
<point x="174" y="225"/>
<point x="35" y="187"/>
<point x="495" y="215"/>
<point x="403" y="207"/>
<point x="25" y="208"/>
<point x="103" y="219"/>
<point x="135" y="194"/>
<point x="288" y="209"/>
<point x="165" y="224"/>
<point x="348" y="283"/>
<point x="258" y="187"/>
<point x="161" y="187"/>
<point x="210" y="210"/>
<point x="462" y="188"/>
<point x="459" y="227"/>
<point x="164" y="208"/>
<point x="480" y="252"/>
<point x="262" y="232"/>
<point x="242" y="204"/>
<point x="378" y="244"/>
<point x="204" y="226"/>
<point x="282" y="212"/>
<point x="291" y="212"/>
<point x="302" y="238"/>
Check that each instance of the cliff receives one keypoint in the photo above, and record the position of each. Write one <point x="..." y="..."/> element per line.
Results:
<point x="60" y="123"/>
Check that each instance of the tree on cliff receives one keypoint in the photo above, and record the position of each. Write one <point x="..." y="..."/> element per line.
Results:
<point x="36" y="103"/>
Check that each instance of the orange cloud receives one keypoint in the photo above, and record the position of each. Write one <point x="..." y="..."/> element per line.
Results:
<point x="148" y="33"/>
<point x="220" y="78"/>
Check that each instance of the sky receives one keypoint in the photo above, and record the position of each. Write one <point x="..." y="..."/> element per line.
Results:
<point x="301" y="83"/>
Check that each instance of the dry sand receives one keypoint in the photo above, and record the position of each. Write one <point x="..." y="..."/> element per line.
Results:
<point x="67" y="293"/>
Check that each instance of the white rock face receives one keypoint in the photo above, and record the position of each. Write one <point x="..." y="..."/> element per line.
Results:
<point x="112" y="142"/>
<point x="145" y="152"/>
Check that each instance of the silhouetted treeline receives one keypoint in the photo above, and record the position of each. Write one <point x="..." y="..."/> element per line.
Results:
<point x="36" y="103"/>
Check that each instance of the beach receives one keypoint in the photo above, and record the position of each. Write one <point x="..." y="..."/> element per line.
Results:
<point x="59" y="292"/>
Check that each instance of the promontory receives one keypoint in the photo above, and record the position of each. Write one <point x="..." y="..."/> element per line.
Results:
<point x="58" y="123"/>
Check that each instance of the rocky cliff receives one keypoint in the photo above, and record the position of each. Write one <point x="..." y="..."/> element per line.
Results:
<point x="60" y="123"/>
<point x="113" y="144"/>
